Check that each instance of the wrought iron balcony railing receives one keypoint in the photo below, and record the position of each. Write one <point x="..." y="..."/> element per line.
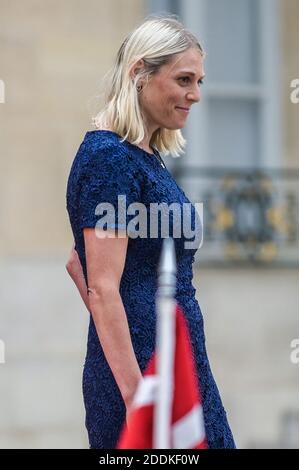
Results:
<point x="251" y="216"/>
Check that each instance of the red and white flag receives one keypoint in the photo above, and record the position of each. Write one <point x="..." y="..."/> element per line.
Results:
<point x="187" y="429"/>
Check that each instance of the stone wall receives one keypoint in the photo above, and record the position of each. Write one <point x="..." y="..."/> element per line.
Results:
<point x="52" y="58"/>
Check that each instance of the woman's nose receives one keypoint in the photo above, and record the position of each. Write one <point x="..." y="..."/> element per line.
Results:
<point x="194" y="95"/>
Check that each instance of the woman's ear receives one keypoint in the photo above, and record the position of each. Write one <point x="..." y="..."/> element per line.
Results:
<point x="137" y="68"/>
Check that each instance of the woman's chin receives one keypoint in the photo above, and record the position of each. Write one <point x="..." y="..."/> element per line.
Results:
<point x="175" y="127"/>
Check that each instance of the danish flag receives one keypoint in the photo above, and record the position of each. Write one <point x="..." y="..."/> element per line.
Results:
<point x="186" y="423"/>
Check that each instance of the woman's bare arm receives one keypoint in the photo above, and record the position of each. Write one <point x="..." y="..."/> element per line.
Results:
<point x="74" y="268"/>
<point x="105" y="258"/>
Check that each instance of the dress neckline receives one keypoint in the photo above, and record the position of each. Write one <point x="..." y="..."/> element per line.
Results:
<point x="155" y="154"/>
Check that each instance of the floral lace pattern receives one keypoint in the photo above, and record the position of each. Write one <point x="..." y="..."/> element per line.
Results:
<point x="103" y="168"/>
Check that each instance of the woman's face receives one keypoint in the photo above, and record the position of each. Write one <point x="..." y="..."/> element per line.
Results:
<point x="167" y="97"/>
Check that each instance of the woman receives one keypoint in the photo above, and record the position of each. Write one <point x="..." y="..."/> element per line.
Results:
<point x="154" y="83"/>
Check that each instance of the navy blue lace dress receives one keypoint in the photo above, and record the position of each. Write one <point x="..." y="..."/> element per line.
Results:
<point x="103" y="168"/>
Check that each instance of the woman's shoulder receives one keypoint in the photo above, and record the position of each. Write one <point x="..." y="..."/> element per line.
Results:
<point x="103" y="140"/>
<point x="103" y="150"/>
<point x="103" y="146"/>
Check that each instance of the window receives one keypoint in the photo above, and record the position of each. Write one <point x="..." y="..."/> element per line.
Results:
<point x="237" y="123"/>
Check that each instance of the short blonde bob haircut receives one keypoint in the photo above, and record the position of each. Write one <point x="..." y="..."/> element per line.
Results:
<point x="155" y="41"/>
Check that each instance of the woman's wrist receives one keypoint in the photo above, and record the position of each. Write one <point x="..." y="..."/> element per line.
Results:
<point x="128" y="396"/>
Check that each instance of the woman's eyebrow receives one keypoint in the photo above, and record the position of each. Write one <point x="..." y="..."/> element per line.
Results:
<point x="189" y="72"/>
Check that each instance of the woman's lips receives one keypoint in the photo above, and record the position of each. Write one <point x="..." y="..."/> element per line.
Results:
<point x="185" y="110"/>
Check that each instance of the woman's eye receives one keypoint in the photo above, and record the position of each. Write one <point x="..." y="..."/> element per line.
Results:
<point x="185" y="79"/>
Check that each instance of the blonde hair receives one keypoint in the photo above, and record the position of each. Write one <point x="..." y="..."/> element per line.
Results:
<point x="155" y="41"/>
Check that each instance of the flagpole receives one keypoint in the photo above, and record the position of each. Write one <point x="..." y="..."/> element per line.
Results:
<point x="165" y="308"/>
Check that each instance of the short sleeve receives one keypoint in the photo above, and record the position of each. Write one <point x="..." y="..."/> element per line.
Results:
<point x="109" y="185"/>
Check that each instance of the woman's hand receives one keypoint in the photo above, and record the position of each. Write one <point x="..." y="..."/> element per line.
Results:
<point x="127" y="417"/>
<point x="129" y="401"/>
<point x="129" y="410"/>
